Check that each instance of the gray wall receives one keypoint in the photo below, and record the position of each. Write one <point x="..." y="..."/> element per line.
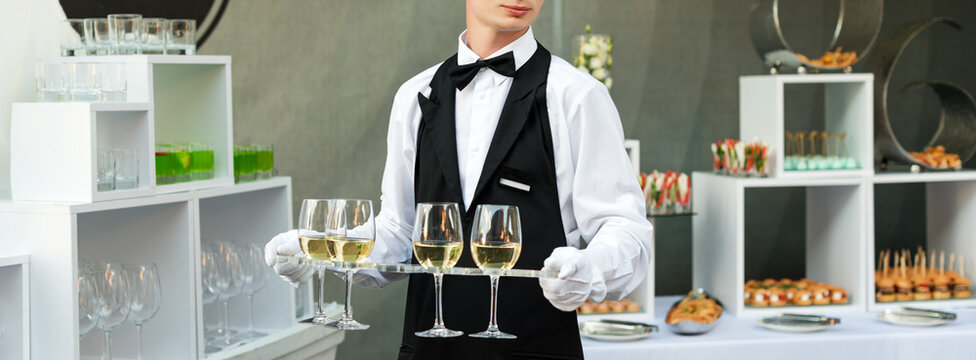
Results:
<point x="316" y="79"/>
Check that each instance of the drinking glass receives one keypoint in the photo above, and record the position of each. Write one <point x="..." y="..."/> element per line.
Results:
<point x="181" y="37"/>
<point x="264" y="161"/>
<point x="113" y="84"/>
<point x="256" y="277"/>
<point x="52" y="82"/>
<point x="87" y="305"/>
<point x="181" y="161"/>
<point x="245" y="160"/>
<point x="145" y="296"/>
<point x="201" y="161"/>
<point x="312" y="238"/>
<point x="84" y="84"/>
<point x="496" y="241"/>
<point x="73" y="38"/>
<point x="126" y="33"/>
<point x="105" y="179"/>
<point x="165" y="165"/>
<point x="231" y="283"/>
<point x="98" y="36"/>
<point x="126" y="169"/>
<point x="350" y="232"/>
<point x="112" y="294"/>
<point x="210" y="290"/>
<point x="153" y="35"/>
<point x="437" y="245"/>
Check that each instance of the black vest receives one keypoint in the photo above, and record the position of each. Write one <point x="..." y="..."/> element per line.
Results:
<point x="521" y="150"/>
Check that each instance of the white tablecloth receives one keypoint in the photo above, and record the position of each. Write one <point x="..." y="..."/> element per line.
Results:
<point x="859" y="336"/>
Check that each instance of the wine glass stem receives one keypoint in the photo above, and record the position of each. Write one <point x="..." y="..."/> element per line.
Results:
<point x="250" y="313"/>
<point x="493" y="324"/>
<point x="226" y="316"/>
<point x="320" y="306"/>
<point x="108" y="345"/>
<point x="139" y="340"/>
<point x="347" y="313"/>
<point x="439" y="310"/>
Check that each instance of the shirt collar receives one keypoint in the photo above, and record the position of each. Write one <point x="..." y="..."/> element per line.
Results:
<point x="523" y="48"/>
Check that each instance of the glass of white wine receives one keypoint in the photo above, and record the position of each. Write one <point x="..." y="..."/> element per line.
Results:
<point x="311" y="235"/>
<point x="496" y="242"/>
<point x="351" y="232"/>
<point x="437" y="245"/>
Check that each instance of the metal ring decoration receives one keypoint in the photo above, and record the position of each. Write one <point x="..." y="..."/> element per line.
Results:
<point x="858" y="25"/>
<point x="957" y="125"/>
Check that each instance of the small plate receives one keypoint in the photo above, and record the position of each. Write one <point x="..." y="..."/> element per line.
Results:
<point x="897" y="318"/>
<point x="613" y="330"/>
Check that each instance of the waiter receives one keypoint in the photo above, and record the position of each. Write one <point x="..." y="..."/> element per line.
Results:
<point x="505" y="122"/>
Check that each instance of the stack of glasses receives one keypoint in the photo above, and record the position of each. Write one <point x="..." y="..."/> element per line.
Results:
<point x="128" y="34"/>
<point x="82" y="82"/>
<point x="118" y="169"/>
<point x="253" y="162"/>
<point x="183" y="162"/>
<point x="817" y="150"/>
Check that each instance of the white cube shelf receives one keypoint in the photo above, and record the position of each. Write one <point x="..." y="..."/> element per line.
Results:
<point x="14" y="307"/>
<point x="848" y="107"/>
<point x="165" y="229"/>
<point x="170" y="99"/>
<point x="950" y="211"/>
<point x="836" y="217"/>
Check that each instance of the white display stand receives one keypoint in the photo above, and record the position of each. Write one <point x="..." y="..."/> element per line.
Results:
<point x="14" y="304"/>
<point x="170" y="99"/>
<point x="840" y="214"/>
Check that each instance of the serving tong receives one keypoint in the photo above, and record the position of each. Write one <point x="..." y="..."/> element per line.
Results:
<point x="801" y="320"/>
<point x="610" y="327"/>
<point x="921" y="313"/>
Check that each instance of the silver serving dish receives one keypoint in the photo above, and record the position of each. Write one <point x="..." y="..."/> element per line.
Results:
<point x="689" y="327"/>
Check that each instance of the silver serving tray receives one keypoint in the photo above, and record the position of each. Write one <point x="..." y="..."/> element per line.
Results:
<point x="689" y="327"/>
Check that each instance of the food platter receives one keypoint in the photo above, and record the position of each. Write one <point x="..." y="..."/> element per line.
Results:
<point x="704" y="317"/>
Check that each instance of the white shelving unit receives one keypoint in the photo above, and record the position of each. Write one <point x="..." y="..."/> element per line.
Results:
<point x="14" y="304"/>
<point x="170" y="99"/>
<point x="848" y="107"/>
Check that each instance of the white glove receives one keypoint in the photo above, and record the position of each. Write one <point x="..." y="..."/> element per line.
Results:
<point x="287" y="244"/>
<point x="578" y="280"/>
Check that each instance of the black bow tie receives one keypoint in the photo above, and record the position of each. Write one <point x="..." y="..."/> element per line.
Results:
<point x="503" y="64"/>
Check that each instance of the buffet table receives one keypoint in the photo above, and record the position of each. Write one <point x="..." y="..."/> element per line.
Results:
<point x="859" y="335"/>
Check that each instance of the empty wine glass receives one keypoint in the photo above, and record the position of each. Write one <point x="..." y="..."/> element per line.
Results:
<point x="87" y="305"/>
<point x="351" y="234"/>
<point x="112" y="294"/>
<point x="210" y="291"/>
<point x="437" y="245"/>
<point x="231" y="283"/>
<point x="145" y="294"/>
<point x="311" y="235"/>
<point x="256" y="277"/>
<point x="496" y="242"/>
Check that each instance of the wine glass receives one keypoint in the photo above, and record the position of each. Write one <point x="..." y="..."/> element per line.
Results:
<point x="350" y="234"/>
<point x="437" y="245"/>
<point x="209" y="284"/>
<point x="311" y="235"/>
<point x="145" y="293"/>
<point x="87" y="306"/>
<point x="231" y="283"/>
<point x="496" y="241"/>
<point x="256" y="277"/>
<point x="112" y="294"/>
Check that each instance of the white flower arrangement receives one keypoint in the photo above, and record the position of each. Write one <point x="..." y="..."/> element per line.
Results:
<point x="595" y="56"/>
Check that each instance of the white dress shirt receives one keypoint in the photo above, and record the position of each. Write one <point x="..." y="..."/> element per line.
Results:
<point x="599" y="197"/>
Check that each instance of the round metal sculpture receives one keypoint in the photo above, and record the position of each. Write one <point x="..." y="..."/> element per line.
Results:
<point x="858" y="24"/>
<point x="957" y="125"/>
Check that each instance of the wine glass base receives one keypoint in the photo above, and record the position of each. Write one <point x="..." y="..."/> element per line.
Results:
<point x="439" y="333"/>
<point x="346" y="324"/>
<point x="493" y="334"/>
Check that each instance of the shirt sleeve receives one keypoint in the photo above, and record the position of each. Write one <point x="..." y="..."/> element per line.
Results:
<point x="394" y="224"/>
<point x="607" y="200"/>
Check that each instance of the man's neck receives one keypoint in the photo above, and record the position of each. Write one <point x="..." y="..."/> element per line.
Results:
<point x="485" y="41"/>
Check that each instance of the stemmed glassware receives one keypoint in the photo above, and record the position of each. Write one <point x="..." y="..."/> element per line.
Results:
<point x="350" y="232"/>
<point x="112" y="294"/>
<point x="230" y="284"/>
<point x="87" y="304"/>
<point x="256" y="277"/>
<point x="437" y="245"/>
<point x="210" y="277"/>
<point x="311" y="235"/>
<point x="145" y="296"/>
<point x="496" y="242"/>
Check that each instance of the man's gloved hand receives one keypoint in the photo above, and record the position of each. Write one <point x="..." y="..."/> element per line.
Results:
<point x="579" y="279"/>
<point x="287" y="244"/>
